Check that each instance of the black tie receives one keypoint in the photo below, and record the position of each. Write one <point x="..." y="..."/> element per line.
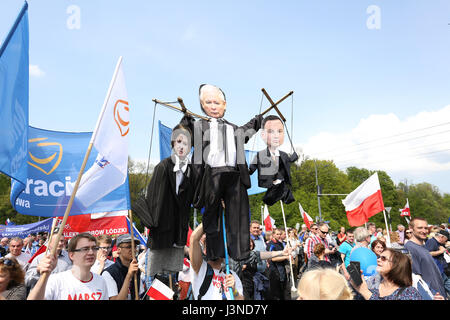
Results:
<point x="224" y="135"/>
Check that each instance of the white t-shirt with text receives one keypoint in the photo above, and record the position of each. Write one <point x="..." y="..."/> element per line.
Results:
<point x="65" y="286"/>
<point x="218" y="282"/>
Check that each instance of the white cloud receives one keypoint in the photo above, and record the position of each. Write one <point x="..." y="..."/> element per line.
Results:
<point x="35" y="71"/>
<point x="416" y="145"/>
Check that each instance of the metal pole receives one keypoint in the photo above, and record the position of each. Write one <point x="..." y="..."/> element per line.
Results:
<point x="318" y="196"/>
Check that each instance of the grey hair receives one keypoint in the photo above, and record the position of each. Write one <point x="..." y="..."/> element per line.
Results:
<point x="361" y="234"/>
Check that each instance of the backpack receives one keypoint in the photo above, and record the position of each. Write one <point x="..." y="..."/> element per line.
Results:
<point x="206" y="282"/>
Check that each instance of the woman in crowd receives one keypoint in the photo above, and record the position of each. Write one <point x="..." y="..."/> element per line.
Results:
<point x="378" y="247"/>
<point x="323" y="284"/>
<point x="408" y="235"/>
<point x="320" y="262"/>
<point x="395" y="242"/>
<point x="395" y="270"/>
<point x="12" y="280"/>
<point x="341" y="236"/>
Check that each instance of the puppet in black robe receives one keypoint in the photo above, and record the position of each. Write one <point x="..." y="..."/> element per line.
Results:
<point x="274" y="168"/>
<point x="166" y="212"/>
<point x="228" y="183"/>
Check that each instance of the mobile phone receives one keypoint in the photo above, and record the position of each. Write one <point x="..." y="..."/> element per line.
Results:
<point x="355" y="272"/>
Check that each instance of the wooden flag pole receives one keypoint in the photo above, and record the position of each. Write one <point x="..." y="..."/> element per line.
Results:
<point x="52" y="231"/>
<point x="133" y="254"/>
<point x="293" y="288"/>
<point x="45" y="275"/>
<point x="388" y="240"/>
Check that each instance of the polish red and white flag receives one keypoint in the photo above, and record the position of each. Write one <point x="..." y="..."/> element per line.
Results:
<point x="306" y="218"/>
<point x="159" y="291"/>
<point x="405" y="212"/>
<point x="364" y="202"/>
<point x="269" y="223"/>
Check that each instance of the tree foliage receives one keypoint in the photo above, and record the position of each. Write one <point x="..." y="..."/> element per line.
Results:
<point x="425" y="200"/>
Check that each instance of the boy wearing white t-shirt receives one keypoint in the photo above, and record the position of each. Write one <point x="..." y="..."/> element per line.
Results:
<point x="220" y="283"/>
<point x="78" y="283"/>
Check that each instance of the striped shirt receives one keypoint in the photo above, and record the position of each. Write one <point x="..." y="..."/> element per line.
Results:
<point x="311" y="242"/>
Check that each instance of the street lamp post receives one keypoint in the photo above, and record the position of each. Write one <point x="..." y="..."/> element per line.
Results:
<point x="318" y="192"/>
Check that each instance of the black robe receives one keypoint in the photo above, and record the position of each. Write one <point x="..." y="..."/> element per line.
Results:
<point x="227" y="183"/>
<point x="165" y="213"/>
<point x="269" y="171"/>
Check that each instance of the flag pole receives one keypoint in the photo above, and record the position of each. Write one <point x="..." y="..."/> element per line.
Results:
<point x="133" y="254"/>
<point x="293" y="289"/>
<point x="45" y="275"/>
<point x="388" y="240"/>
<point x="227" y="264"/>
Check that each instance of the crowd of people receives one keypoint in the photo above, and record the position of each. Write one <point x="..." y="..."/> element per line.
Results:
<point x="412" y="264"/>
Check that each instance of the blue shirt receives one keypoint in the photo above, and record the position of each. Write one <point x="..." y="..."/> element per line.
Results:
<point x="345" y="248"/>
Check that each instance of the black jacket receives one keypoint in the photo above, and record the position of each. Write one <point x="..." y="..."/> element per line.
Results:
<point x="268" y="172"/>
<point x="201" y="148"/>
<point x="118" y="271"/>
<point x="165" y="213"/>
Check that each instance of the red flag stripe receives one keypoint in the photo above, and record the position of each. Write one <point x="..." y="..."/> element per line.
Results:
<point x="368" y="208"/>
<point x="155" y="294"/>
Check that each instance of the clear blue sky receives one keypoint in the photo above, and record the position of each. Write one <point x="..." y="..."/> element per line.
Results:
<point x="341" y="71"/>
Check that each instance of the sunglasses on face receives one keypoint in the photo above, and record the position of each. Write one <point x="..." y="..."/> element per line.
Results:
<point x="324" y="232"/>
<point x="7" y="262"/>
<point x="383" y="258"/>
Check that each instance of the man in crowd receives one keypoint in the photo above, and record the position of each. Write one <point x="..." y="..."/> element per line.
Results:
<point x="278" y="277"/>
<point x="346" y="247"/>
<point x="3" y="246"/>
<point x="401" y="233"/>
<point x="422" y="262"/>
<point x="120" y="275"/>
<point x="319" y="237"/>
<point x="436" y="246"/>
<point x="15" y="250"/>
<point x="63" y="262"/>
<point x="77" y="283"/>
<point x="362" y="238"/>
<point x="104" y="249"/>
<point x="372" y="228"/>
<point x="261" y="274"/>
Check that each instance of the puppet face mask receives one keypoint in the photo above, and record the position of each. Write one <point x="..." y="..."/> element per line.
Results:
<point x="181" y="146"/>
<point x="273" y="133"/>
<point x="213" y="102"/>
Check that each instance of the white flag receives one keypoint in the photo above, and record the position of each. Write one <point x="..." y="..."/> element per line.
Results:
<point x="110" y="139"/>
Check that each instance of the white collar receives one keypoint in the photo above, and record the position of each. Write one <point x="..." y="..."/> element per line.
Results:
<point x="180" y="164"/>
<point x="276" y="153"/>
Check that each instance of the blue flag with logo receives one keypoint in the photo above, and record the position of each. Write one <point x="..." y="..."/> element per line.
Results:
<point x="54" y="160"/>
<point x="22" y="231"/>
<point x="165" y="151"/>
<point x="14" y="69"/>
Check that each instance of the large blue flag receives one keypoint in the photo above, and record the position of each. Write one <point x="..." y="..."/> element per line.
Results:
<point x="54" y="160"/>
<point x="165" y="151"/>
<point x="14" y="68"/>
